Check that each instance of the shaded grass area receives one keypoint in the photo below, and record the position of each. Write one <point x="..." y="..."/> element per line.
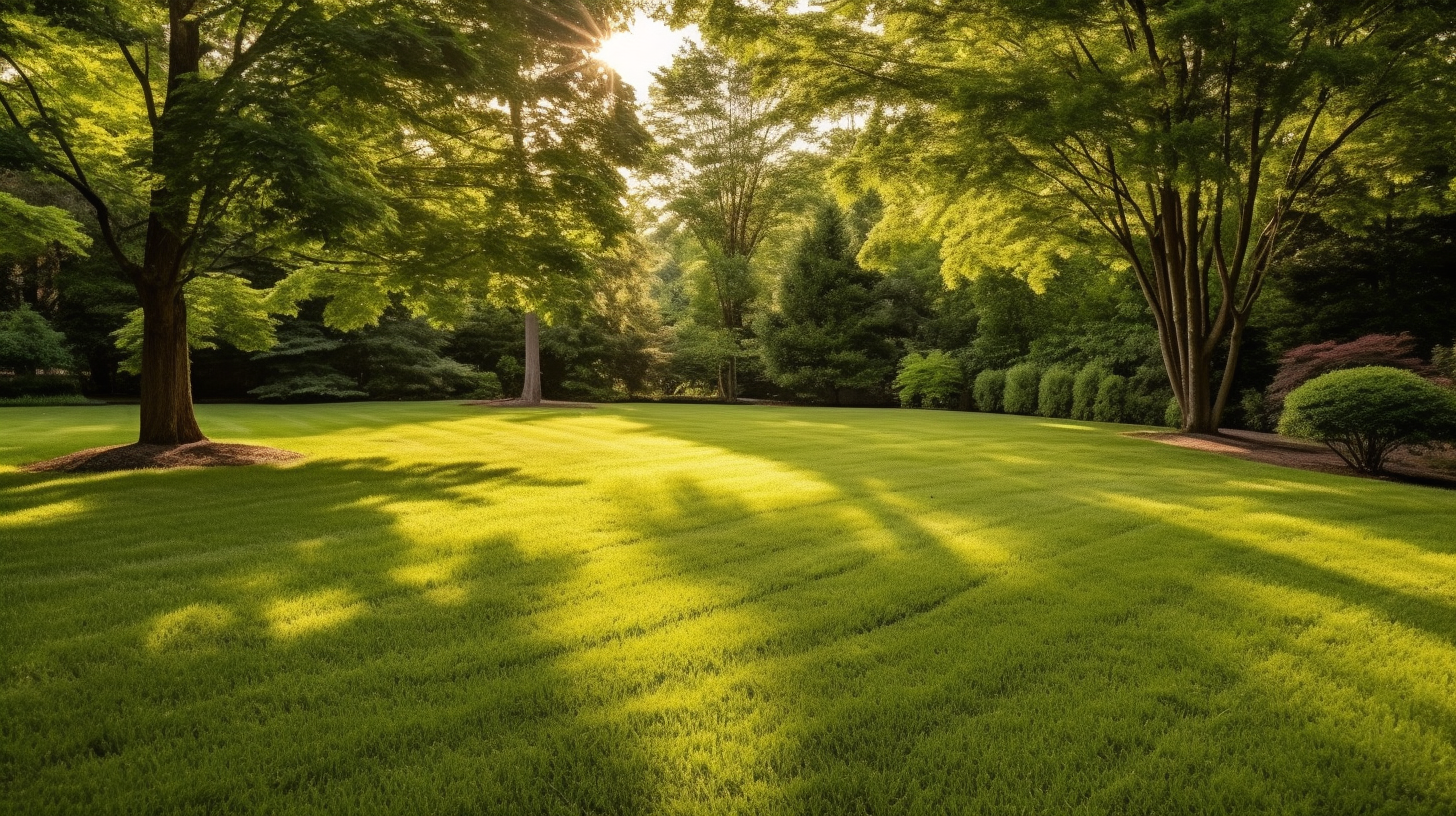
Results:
<point x="704" y="609"/>
<point x="38" y="402"/>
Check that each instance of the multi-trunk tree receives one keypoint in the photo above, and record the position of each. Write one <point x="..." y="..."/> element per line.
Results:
<point x="425" y="153"/>
<point x="1182" y="141"/>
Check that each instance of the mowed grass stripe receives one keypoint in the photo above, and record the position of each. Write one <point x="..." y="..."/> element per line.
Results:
<point x="705" y="609"/>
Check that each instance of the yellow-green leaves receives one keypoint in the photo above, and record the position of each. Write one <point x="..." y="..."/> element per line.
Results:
<point x="221" y="308"/>
<point x="27" y="231"/>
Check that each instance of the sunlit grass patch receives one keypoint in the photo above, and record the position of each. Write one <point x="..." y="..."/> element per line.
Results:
<point x="703" y="609"/>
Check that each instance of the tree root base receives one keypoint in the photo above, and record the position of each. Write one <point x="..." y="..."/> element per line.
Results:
<point x="162" y="457"/>
<point x="520" y="403"/>
<point x="1403" y="466"/>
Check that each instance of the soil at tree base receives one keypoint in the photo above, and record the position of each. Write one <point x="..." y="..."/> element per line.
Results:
<point x="1272" y="449"/>
<point x="520" y="403"/>
<point x="162" y="457"/>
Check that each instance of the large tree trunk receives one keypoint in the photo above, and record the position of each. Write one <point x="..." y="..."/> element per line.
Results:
<point x="531" y="387"/>
<point x="167" y="417"/>
<point x="1190" y="334"/>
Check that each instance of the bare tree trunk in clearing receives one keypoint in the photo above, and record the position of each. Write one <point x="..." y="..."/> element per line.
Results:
<point x="167" y="417"/>
<point x="531" y="388"/>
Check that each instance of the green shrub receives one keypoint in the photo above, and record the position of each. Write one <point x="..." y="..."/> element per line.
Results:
<point x="1172" y="414"/>
<point x="28" y="343"/>
<point x="1363" y="414"/>
<point x="1255" y="410"/>
<point x="39" y="385"/>
<point x="989" y="389"/>
<point x="1084" y="389"/>
<point x="37" y="402"/>
<point x="1147" y="407"/>
<point x="1111" y="399"/>
<point x="320" y="386"/>
<point x="1022" y="383"/>
<point x="931" y="379"/>
<point x="489" y="387"/>
<point x="1443" y="359"/>
<point x="1054" y="398"/>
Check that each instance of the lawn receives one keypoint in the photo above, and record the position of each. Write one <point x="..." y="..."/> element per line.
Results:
<point x="704" y="609"/>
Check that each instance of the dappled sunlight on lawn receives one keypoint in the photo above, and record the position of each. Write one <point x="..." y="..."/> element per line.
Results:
<point x="1376" y="690"/>
<point x="1349" y="549"/>
<point x="194" y="625"/>
<point x="52" y="513"/>
<point x="702" y="609"/>
<point x="312" y="612"/>
<point x="1283" y="486"/>
<point x="1368" y="656"/>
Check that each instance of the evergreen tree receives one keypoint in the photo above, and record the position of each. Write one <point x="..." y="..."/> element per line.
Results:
<point x="826" y="334"/>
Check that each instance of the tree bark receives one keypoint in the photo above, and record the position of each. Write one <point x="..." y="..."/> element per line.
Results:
<point x="728" y="381"/>
<point x="1177" y="291"/>
<point x="167" y="416"/>
<point x="531" y="387"/>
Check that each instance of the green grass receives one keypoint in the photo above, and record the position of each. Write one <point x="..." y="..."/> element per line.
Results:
<point x="37" y="402"/>
<point x="701" y="609"/>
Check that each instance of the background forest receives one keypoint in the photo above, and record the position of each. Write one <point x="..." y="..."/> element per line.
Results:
<point x="767" y="258"/>
<point x="818" y="327"/>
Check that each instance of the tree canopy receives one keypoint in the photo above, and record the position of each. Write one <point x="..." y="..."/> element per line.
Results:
<point x="1182" y="141"/>
<point x="370" y="152"/>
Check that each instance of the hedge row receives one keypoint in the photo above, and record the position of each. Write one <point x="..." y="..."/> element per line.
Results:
<point x="1090" y="393"/>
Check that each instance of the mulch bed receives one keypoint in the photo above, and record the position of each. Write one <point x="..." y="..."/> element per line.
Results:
<point x="162" y="457"/>
<point x="520" y="403"/>
<point x="1403" y="466"/>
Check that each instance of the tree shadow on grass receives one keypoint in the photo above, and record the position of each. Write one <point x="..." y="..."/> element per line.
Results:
<point x="301" y="639"/>
<point x="783" y="619"/>
<point x="1062" y="653"/>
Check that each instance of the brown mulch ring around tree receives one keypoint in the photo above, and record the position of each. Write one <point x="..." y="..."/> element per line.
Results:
<point x="162" y="457"/>
<point x="1433" y="468"/>
<point x="520" y="403"/>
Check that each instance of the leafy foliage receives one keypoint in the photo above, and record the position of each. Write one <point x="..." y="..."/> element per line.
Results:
<point x="728" y="170"/>
<point x="1054" y="397"/>
<point x="1023" y="384"/>
<point x="302" y="367"/>
<point x="40" y="386"/>
<point x="1084" y="389"/>
<point x="990" y="390"/>
<point x="1304" y="363"/>
<point x="1255" y="410"/>
<point x="1175" y="141"/>
<point x="434" y="154"/>
<point x="29" y="344"/>
<point x="1363" y="414"/>
<point x="1111" y="403"/>
<point x="36" y="401"/>
<point x="399" y="358"/>
<point x="1443" y="359"/>
<point x="930" y="380"/>
<point x="221" y="308"/>
<point x="1387" y="276"/>
<point x="29" y="231"/>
